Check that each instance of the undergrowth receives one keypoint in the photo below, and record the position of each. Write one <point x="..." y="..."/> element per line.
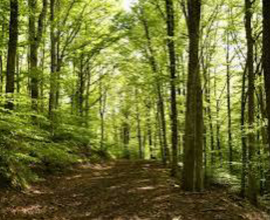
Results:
<point x="28" y="150"/>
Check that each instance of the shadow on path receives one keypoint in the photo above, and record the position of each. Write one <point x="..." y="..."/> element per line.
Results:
<point x="121" y="190"/>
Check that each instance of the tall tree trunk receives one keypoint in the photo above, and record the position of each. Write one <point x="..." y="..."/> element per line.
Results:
<point x="53" y="66"/>
<point x="173" y="78"/>
<point x="102" y="108"/>
<point x="18" y="70"/>
<point x="126" y="136"/>
<point x="87" y="104"/>
<point x="12" y="51"/>
<point x="160" y="106"/>
<point x="218" y="139"/>
<point x="35" y="37"/>
<point x="139" y="130"/>
<point x="228" y="76"/>
<point x="149" y="130"/>
<point x="1" y="74"/>
<point x="252" y="188"/>
<point x="42" y="83"/>
<point x="193" y="144"/>
<point x="243" y="136"/>
<point x="81" y="84"/>
<point x="266" y="63"/>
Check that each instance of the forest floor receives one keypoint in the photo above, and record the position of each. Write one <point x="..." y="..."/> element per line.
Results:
<point x="121" y="190"/>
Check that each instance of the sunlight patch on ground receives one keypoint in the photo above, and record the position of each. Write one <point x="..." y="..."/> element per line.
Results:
<point x="146" y="188"/>
<point x="33" y="190"/>
<point x="117" y="187"/>
<point x="29" y="210"/>
<point x="161" y="198"/>
<point x="143" y="181"/>
<point x="178" y="218"/>
<point x="73" y="177"/>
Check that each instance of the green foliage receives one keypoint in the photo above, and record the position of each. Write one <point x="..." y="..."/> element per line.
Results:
<point x="28" y="150"/>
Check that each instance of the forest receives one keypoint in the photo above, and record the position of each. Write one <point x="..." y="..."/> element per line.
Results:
<point x="135" y="109"/>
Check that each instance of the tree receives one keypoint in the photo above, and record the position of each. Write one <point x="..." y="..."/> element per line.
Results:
<point x="193" y="143"/>
<point x="173" y="77"/>
<point x="12" y="50"/>
<point x="35" y="37"/>
<point x="52" y="98"/>
<point x="252" y="189"/>
<point x="266" y="58"/>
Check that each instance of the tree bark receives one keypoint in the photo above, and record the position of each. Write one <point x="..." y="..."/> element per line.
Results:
<point x="139" y="130"/>
<point x="229" y="112"/>
<point x="266" y="60"/>
<point x="193" y="144"/>
<point x="252" y="188"/>
<point x="160" y="104"/>
<point x="173" y="78"/>
<point x="12" y="51"/>
<point x="35" y="37"/>
<point x="53" y="77"/>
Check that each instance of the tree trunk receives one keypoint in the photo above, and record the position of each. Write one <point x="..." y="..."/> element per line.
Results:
<point x="87" y="104"/>
<point x="12" y="51"/>
<point x="228" y="76"/>
<point x="252" y="188"/>
<point x="139" y="131"/>
<point x="53" y="66"/>
<point x="266" y="61"/>
<point x="35" y="37"/>
<point x="1" y="75"/>
<point x="193" y="144"/>
<point x="243" y="136"/>
<point x="173" y="78"/>
<point x="160" y="106"/>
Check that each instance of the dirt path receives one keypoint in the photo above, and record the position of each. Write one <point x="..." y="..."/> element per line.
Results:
<point x="121" y="190"/>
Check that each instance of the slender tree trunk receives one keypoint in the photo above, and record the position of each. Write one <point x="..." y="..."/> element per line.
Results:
<point x="126" y="137"/>
<point x="81" y="87"/>
<point x="243" y="136"/>
<point x="102" y="107"/>
<point x="42" y="77"/>
<point x="87" y="104"/>
<point x="139" y="131"/>
<point x="266" y="65"/>
<point x="18" y="70"/>
<point x="173" y="78"/>
<point x="193" y="144"/>
<point x="161" y="108"/>
<point x="149" y="130"/>
<point x="252" y="188"/>
<point x="1" y="74"/>
<point x="53" y="66"/>
<point x="35" y="37"/>
<point x="228" y="76"/>
<point x="12" y="51"/>
<point x="208" y="111"/>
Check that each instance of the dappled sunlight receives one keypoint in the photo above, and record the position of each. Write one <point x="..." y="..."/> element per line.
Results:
<point x="145" y="188"/>
<point x="73" y="177"/>
<point x="143" y="181"/>
<point x="29" y="210"/>
<point x="125" y="191"/>
<point x="178" y="218"/>
<point x="38" y="191"/>
<point x="161" y="198"/>
<point x="117" y="187"/>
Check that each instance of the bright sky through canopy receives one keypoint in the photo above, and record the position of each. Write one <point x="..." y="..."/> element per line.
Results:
<point x="127" y="4"/>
